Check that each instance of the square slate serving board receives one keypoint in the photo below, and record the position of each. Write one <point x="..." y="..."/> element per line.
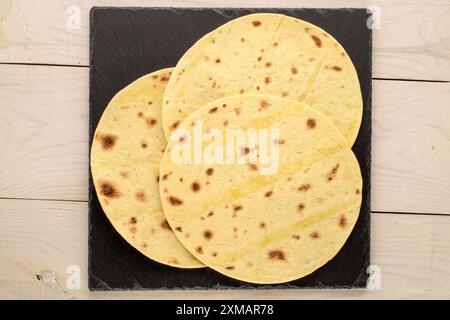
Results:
<point x="127" y="43"/>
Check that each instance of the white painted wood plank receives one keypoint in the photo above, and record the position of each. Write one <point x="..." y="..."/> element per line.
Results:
<point x="412" y="43"/>
<point x="44" y="139"/>
<point x="412" y="251"/>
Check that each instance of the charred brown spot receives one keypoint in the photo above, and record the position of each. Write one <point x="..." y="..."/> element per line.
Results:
<point x="199" y="249"/>
<point x="332" y="174"/>
<point x="157" y="179"/>
<point x="133" y="229"/>
<point x="133" y="220"/>
<point x="342" y="221"/>
<point x="304" y="187"/>
<point x="284" y="94"/>
<point x="259" y="58"/>
<point x="262" y="225"/>
<point x="207" y="234"/>
<point x="237" y="111"/>
<point x="225" y="123"/>
<point x="268" y="64"/>
<point x="179" y="229"/>
<point x="140" y="195"/>
<point x="294" y="70"/>
<point x="253" y="166"/>
<point x="144" y="145"/>
<point x="213" y="110"/>
<point x="166" y="176"/>
<point x="164" y="79"/>
<point x="165" y="225"/>
<point x="242" y="39"/>
<point x="124" y="174"/>
<point x="336" y="68"/>
<point x="237" y="208"/>
<point x="230" y="268"/>
<point x="211" y="214"/>
<point x="256" y="23"/>
<point x="150" y="103"/>
<point x="108" y="190"/>
<point x="258" y="88"/>
<point x="175" y="201"/>
<point x="279" y="141"/>
<point x="357" y="191"/>
<point x="175" y="125"/>
<point x="151" y="122"/>
<point x="311" y="123"/>
<point x="268" y="194"/>
<point x="195" y="186"/>
<point x="214" y="254"/>
<point x="224" y="105"/>
<point x="241" y="91"/>
<point x="267" y="80"/>
<point x="108" y="141"/>
<point x="155" y="77"/>
<point x="209" y="171"/>
<point x="245" y="150"/>
<point x="217" y="60"/>
<point x="144" y="245"/>
<point x="140" y="114"/>
<point x="314" y="235"/>
<point x="317" y="41"/>
<point x="296" y="237"/>
<point x="263" y="104"/>
<point x="307" y="29"/>
<point x="277" y="254"/>
<point x="301" y="207"/>
<point x="275" y="44"/>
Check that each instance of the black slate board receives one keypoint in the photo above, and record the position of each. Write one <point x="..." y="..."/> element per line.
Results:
<point x="127" y="43"/>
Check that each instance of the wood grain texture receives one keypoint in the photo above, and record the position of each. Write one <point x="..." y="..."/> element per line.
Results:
<point x="412" y="252"/>
<point x="413" y="41"/>
<point x="44" y="139"/>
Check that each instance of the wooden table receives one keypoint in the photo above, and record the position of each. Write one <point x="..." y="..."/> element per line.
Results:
<point x="44" y="59"/>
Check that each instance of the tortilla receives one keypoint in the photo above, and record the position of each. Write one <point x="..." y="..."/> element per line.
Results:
<point x="126" y="151"/>
<point x="270" y="228"/>
<point x="267" y="54"/>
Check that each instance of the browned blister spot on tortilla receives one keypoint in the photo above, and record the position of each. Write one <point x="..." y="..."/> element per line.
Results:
<point x="108" y="141"/>
<point x="336" y="68"/>
<point x="157" y="179"/>
<point x="317" y="41"/>
<point x="262" y="225"/>
<point x="263" y="104"/>
<point x="150" y="103"/>
<point x="258" y="88"/>
<point x="124" y="174"/>
<point x="165" y="190"/>
<point x="224" y="105"/>
<point x="155" y="77"/>
<point x="140" y="114"/>
<point x="179" y="229"/>
<point x="279" y="141"/>
<point x="230" y="268"/>
<point x="253" y="166"/>
<point x="166" y="175"/>
<point x="268" y="64"/>
<point x="211" y="214"/>
<point x="275" y="44"/>
<point x="332" y="174"/>
<point x="199" y="249"/>
<point x="217" y="60"/>
<point x="107" y="189"/>
<point x="296" y="237"/>
<point x="237" y="207"/>
<point x="213" y="110"/>
<point x="259" y="58"/>
<point x="245" y="150"/>
<point x="304" y="187"/>
<point x="342" y="221"/>
<point x="144" y="245"/>
<point x="242" y="39"/>
<point x="267" y="80"/>
<point x="284" y="94"/>
<point x="214" y="254"/>
<point x="314" y="235"/>
<point x="207" y="234"/>
<point x="175" y="201"/>
<point x="268" y="194"/>
<point x="307" y="29"/>
<point x="256" y="23"/>
<point x="140" y="195"/>
<point x="133" y="229"/>
<point x="151" y="122"/>
<point x="164" y="79"/>
<point x="132" y="220"/>
<point x="195" y="186"/>
<point x="165" y="225"/>
<point x="357" y="191"/>
<point x="237" y="111"/>
<point x="294" y="70"/>
<point x="277" y="255"/>
<point x="175" y="125"/>
<point x="301" y="207"/>
<point x="225" y="123"/>
<point x="311" y="123"/>
<point x="144" y="145"/>
<point x="209" y="171"/>
<point x="241" y="91"/>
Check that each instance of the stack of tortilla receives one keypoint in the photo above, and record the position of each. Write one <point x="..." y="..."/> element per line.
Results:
<point x="248" y="219"/>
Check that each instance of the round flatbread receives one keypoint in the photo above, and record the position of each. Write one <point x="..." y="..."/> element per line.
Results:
<point x="126" y="152"/>
<point x="267" y="54"/>
<point x="248" y="222"/>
